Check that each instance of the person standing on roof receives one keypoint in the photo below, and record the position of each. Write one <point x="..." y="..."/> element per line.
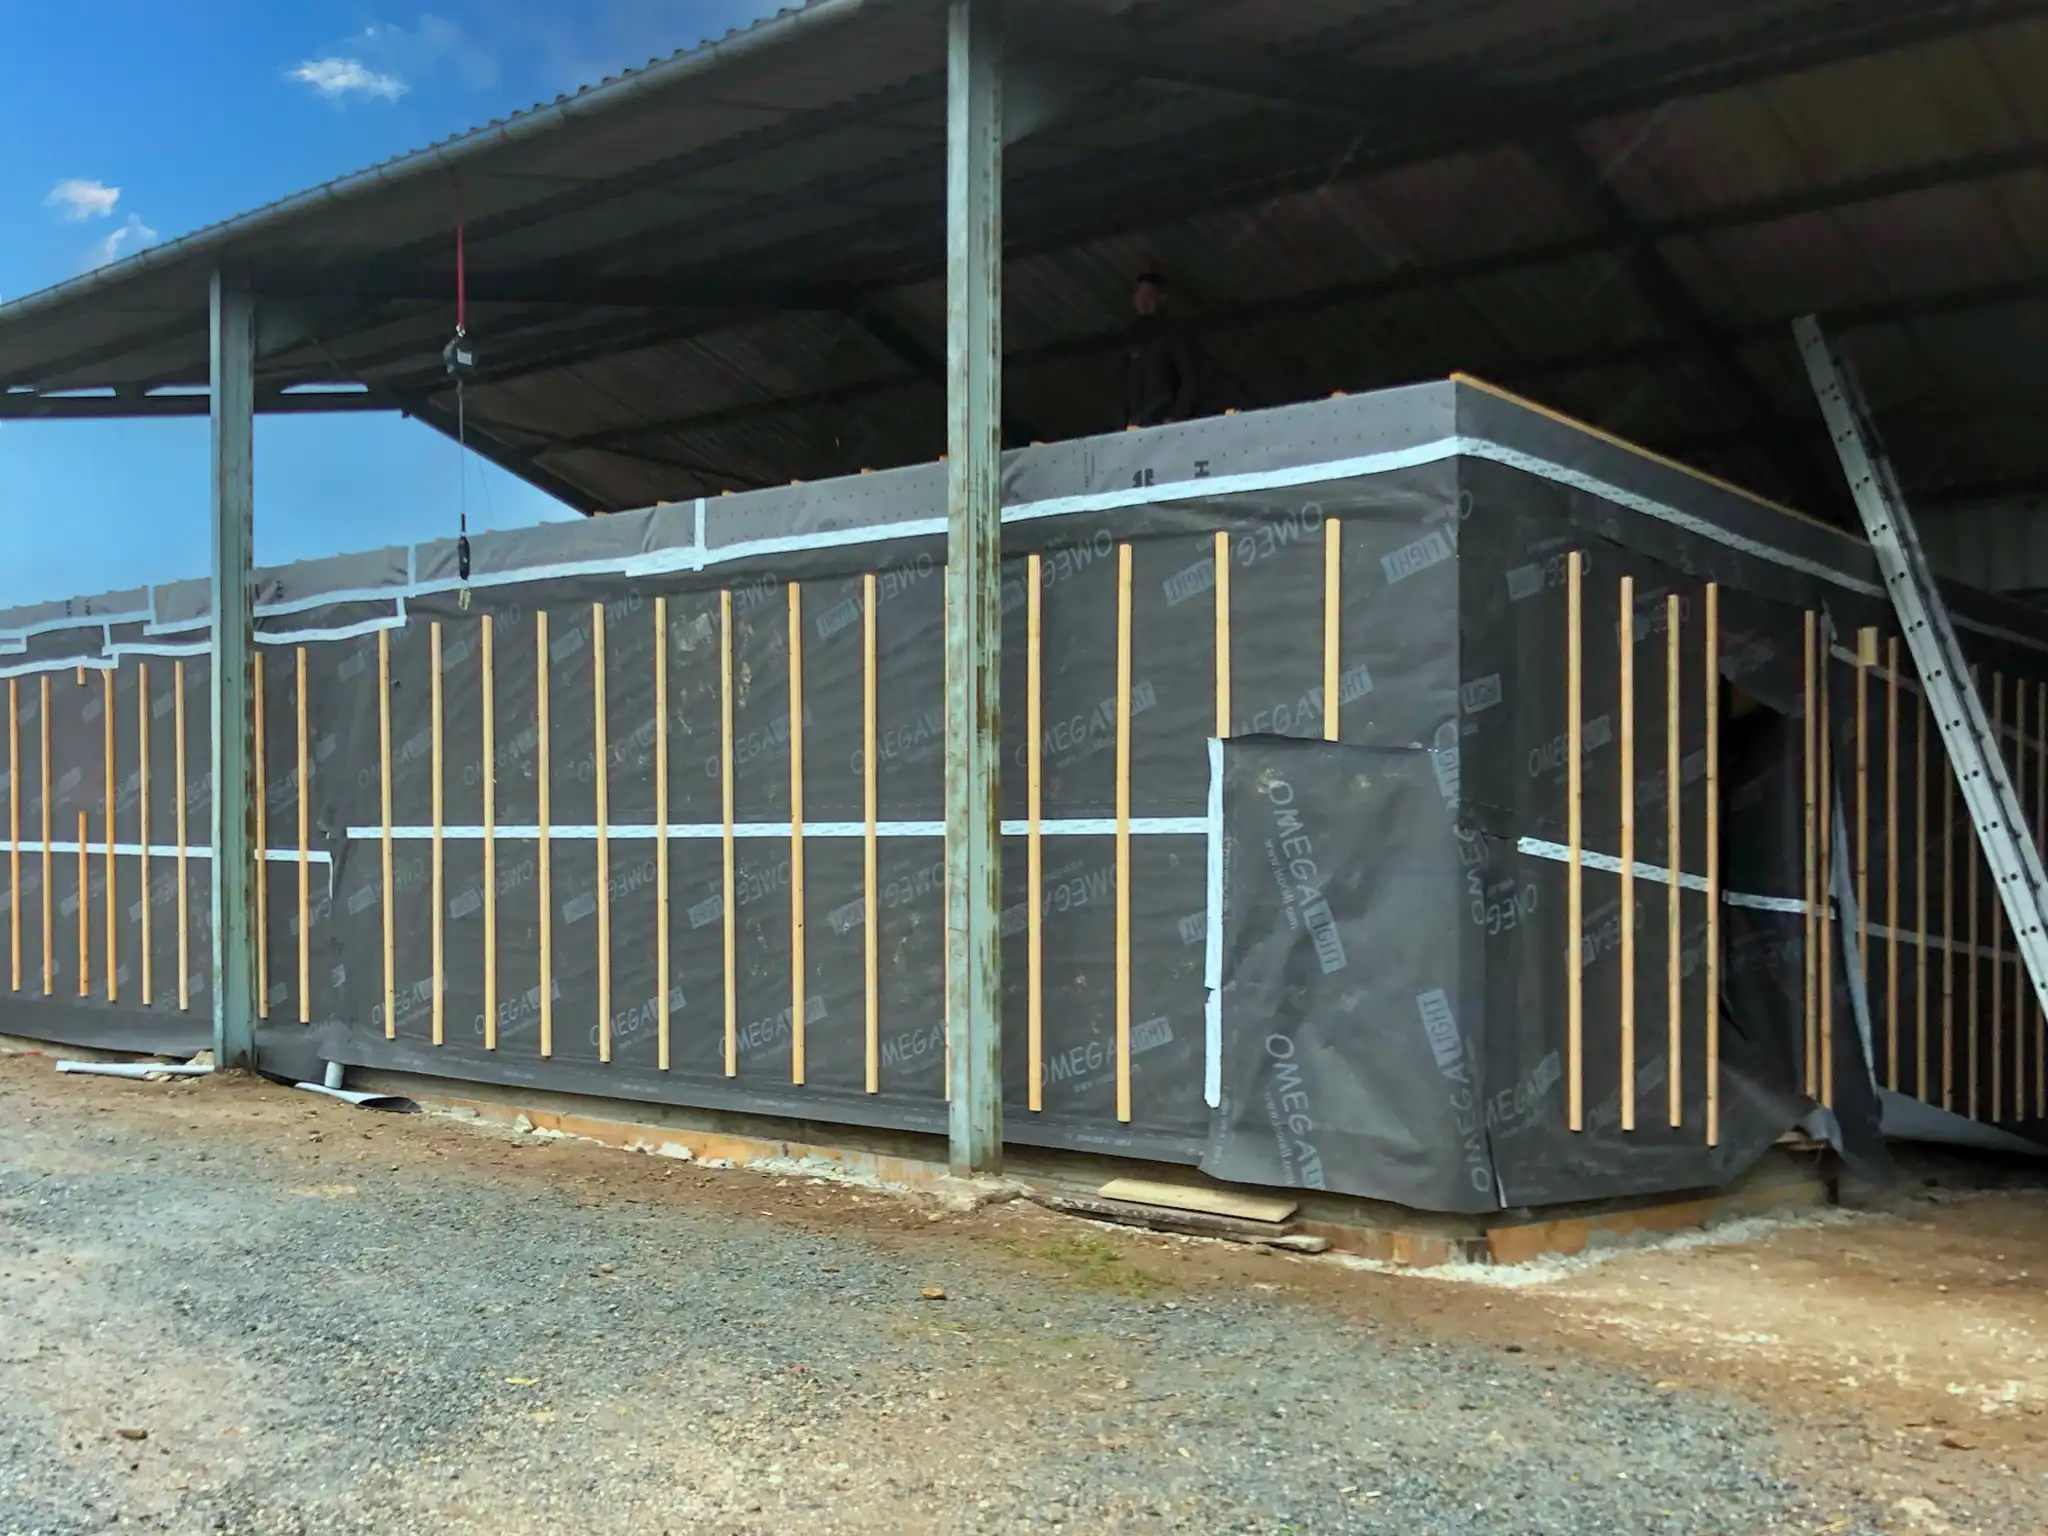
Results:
<point x="1160" y="380"/>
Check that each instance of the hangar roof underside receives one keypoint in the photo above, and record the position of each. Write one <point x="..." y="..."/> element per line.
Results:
<point x="726" y="269"/>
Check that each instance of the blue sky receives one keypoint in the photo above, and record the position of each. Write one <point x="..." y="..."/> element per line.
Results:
<point x="124" y="122"/>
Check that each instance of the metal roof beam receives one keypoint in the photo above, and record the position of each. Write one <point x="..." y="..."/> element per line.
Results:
<point x="567" y="286"/>
<point x="1581" y="178"/>
<point x="904" y="345"/>
<point x="16" y="405"/>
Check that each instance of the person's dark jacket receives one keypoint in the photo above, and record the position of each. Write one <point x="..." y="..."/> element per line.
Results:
<point x="1160" y="383"/>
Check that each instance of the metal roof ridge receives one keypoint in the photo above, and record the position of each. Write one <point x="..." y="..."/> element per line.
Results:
<point x="612" y="92"/>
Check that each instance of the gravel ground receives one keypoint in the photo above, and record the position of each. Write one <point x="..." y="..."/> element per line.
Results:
<point x="302" y="1326"/>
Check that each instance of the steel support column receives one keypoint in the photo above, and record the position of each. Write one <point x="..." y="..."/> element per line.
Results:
<point x="233" y="373"/>
<point x="974" y="414"/>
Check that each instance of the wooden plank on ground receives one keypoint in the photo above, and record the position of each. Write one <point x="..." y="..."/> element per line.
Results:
<point x="1189" y="1197"/>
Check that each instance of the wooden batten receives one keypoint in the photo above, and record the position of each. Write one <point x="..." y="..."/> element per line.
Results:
<point x="601" y="776"/>
<point x="544" y="867"/>
<point x="178" y="785"/>
<point x="871" y="884"/>
<point x="1123" y="834"/>
<point x="143" y="824"/>
<point x="798" y="1064"/>
<point x="109" y="898"/>
<point x="1674" y="847"/>
<point x="1034" y="850"/>
<point x="661" y="870"/>
<point x="728" y="896"/>
<point x="262" y="847"/>
<point x="1626" y="630"/>
<point x="1575" y="893"/>
<point x="302" y="781"/>
<point x="487" y="647"/>
<point x="1713" y="794"/>
<point x="384" y="833"/>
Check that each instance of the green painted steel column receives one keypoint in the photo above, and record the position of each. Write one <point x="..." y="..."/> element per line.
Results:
<point x="974" y="414"/>
<point x="234" y="644"/>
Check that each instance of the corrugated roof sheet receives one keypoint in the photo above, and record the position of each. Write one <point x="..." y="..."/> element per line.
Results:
<point x="726" y="269"/>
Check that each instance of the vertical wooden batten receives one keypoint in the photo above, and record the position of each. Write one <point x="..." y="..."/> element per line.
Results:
<point x="798" y="1063"/>
<point x="384" y="834"/>
<point x="1575" y="892"/>
<point x="302" y="781"/>
<point x="1333" y="624"/>
<point x="109" y="896"/>
<point x="1123" y="833"/>
<point x="14" y="829"/>
<point x="49" y="865"/>
<point x="1626" y="630"/>
<point x="1815" y="915"/>
<point x="1034" y="848"/>
<point x="871" y="773"/>
<point x="1891" y="862"/>
<point x="437" y="856"/>
<point x="1713" y="792"/>
<point x="488" y="661"/>
<point x="143" y="824"/>
<point x="262" y="797"/>
<point x="544" y="861"/>
<point x="1674" y="840"/>
<point x="661" y="870"/>
<point x="601" y="778"/>
<point x="728" y="895"/>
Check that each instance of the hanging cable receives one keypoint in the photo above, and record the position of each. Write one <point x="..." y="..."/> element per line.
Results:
<point x="460" y="360"/>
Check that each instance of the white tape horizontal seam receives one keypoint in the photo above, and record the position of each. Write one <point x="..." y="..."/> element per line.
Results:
<point x="1656" y="874"/>
<point x="156" y="851"/>
<point x="711" y="831"/>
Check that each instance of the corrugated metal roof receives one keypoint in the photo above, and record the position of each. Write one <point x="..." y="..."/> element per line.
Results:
<point x="725" y="269"/>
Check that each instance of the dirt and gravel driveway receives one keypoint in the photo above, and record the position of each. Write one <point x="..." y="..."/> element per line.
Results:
<point x="224" y="1307"/>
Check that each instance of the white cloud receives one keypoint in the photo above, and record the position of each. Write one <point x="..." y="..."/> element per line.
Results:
<point x="336" y="77"/>
<point x="125" y="241"/>
<point x="76" y="200"/>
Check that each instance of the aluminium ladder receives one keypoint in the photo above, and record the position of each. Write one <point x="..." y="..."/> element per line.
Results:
<point x="1994" y="806"/>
